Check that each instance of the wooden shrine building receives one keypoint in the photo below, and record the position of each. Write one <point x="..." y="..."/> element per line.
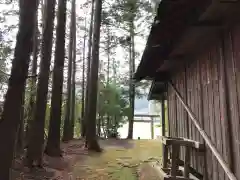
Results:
<point x="192" y="57"/>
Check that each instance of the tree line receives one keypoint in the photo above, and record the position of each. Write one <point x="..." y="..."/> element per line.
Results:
<point x="40" y="107"/>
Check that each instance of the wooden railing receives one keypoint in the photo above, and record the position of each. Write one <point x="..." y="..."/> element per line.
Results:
<point x="207" y="140"/>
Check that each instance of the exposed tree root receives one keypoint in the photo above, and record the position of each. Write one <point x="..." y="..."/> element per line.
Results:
<point x="93" y="145"/>
<point x="28" y="162"/>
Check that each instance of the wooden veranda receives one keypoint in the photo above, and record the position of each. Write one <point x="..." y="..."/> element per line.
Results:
<point x="192" y="58"/>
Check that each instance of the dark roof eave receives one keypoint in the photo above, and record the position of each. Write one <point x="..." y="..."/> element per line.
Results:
<point x="164" y="34"/>
<point x="157" y="90"/>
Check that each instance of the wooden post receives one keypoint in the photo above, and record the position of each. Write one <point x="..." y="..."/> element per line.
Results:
<point x="152" y="128"/>
<point x="163" y="116"/>
<point x="186" y="162"/>
<point x="164" y="147"/>
<point x="175" y="157"/>
<point x="165" y="155"/>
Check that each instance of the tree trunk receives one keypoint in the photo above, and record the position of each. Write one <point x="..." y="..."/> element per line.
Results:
<point x="132" y="86"/>
<point x="83" y="84"/>
<point x="103" y="124"/>
<point x="114" y="71"/>
<point x="20" y="136"/>
<point x="73" y="77"/>
<point x="67" y="121"/>
<point x="36" y="140"/>
<point x="84" y="120"/>
<point x="116" y="125"/>
<point x="33" y="80"/>
<point x="53" y="142"/>
<point x="91" y="137"/>
<point x="130" y="122"/>
<point x="43" y="11"/>
<point x="13" y="100"/>
<point x="99" y="125"/>
<point x="108" y="72"/>
<point x="108" y="55"/>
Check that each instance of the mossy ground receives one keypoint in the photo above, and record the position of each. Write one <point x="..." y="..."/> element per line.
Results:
<point x="119" y="160"/>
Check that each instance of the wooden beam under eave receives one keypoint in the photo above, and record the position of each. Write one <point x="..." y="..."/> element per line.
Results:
<point x="228" y="1"/>
<point x="172" y="64"/>
<point x="151" y="91"/>
<point x="157" y="92"/>
<point x="157" y="97"/>
<point x="193" y="39"/>
<point x="219" y="9"/>
<point x="209" y="24"/>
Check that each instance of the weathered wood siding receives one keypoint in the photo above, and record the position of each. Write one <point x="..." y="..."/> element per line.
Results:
<point x="211" y="86"/>
<point x="232" y="64"/>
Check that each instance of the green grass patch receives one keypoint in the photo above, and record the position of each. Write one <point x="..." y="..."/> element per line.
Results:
<point x="118" y="163"/>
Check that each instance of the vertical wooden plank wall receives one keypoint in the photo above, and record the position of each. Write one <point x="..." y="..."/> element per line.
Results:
<point x="189" y="82"/>
<point x="231" y="52"/>
<point x="212" y="89"/>
<point x="218" y="129"/>
<point x="172" y="113"/>
<point x="224" y="105"/>
<point x="194" y="100"/>
<point x="236" y="59"/>
<point x="182" y="120"/>
<point x="170" y="116"/>
<point x="205" y="98"/>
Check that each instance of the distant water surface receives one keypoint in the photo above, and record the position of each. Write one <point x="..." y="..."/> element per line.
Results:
<point x="140" y="129"/>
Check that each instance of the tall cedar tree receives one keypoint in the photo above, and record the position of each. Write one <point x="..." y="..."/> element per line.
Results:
<point x="53" y="142"/>
<point x="91" y="137"/>
<point x="132" y="6"/>
<point x="126" y="16"/>
<point x="36" y="139"/>
<point x="73" y="80"/>
<point x="131" y="83"/>
<point x="13" y="100"/>
<point x="67" y="121"/>
<point x="83" y="75"/>
<point x="33" y="80"/>
<point x="20" y="135"/>
<point x="108" y="73"/>
<point x="84" y="120"/>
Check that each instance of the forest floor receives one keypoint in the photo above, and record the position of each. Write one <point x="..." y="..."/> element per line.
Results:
<point x="120" y="160"/>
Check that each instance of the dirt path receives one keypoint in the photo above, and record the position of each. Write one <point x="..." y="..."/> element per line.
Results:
<point x="120" y="160"/>
<point x="54" y="168"/>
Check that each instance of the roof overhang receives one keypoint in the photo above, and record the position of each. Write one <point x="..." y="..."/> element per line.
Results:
<point x="181" y="28"/>
<point x="157" y="91"/>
